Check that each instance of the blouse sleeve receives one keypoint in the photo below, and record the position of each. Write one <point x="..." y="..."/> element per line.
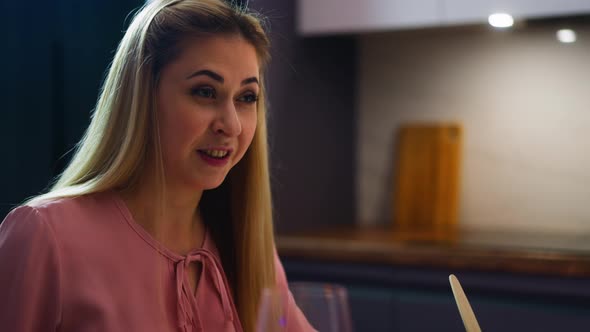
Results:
<point x="296" y="321"/>
<point x="29" y="273"/>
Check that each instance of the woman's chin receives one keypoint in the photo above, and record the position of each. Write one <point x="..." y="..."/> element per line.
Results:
<point x="208" y="185"/>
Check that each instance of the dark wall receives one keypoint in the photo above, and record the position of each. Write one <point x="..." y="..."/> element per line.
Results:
<point x="54" y="58"/>
<point x="26" y="121"/>
<point x="57" y="54"/>
<point x="312" y="133"/>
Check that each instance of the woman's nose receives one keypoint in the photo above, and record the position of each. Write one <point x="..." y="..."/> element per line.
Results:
<point x="228" y="121"/>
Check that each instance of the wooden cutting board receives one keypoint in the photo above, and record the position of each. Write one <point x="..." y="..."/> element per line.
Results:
<point x="427" y="168"/>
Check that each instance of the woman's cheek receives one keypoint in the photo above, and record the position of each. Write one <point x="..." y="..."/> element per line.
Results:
<point x="247" y="135"/>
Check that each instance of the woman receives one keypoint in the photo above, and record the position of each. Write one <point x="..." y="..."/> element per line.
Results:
<point x="162" y="221"/>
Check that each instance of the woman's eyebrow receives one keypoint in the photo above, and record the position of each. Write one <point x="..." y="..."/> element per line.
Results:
<point x="207" y="72"/>
<point x="250" y="80"/>
<point x="219" y="78"/>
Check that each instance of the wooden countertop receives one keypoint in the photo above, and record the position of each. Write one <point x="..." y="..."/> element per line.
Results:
<point x="540" y="254"/>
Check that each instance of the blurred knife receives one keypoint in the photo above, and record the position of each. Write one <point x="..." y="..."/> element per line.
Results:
<point x="465" y="310"/>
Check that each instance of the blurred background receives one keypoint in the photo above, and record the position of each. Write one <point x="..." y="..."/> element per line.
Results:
<point x="345" y="77"/>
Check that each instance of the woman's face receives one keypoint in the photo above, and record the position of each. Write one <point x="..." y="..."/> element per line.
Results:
<point x="206" y="108"/>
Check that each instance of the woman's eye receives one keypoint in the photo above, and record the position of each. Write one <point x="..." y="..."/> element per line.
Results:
<point x="248" y="98"/>
<point x="204" y="92"/>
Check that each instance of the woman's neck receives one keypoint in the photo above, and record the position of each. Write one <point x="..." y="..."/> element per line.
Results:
<point x="175" y="221"/>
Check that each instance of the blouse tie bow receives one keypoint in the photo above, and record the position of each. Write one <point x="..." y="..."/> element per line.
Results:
<point x="188" y="313"/>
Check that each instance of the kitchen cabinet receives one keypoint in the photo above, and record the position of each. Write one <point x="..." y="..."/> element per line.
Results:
<point x="400" y="298"/>
<point x="324" y="17"/>
<point x="475" y="11"/>
<point x="351" y="16"/>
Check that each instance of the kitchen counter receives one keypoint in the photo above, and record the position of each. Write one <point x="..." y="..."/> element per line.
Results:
<point x="538" y="254"/>
<point x="399" y="281"/>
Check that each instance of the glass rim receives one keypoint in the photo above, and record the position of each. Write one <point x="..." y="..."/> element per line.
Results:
<point x="317" y="288"/>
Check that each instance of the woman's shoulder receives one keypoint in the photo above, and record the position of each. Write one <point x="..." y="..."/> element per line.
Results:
<point x="45" y="203"/>
<point x="41" y="206"/>
<point x="25" y="228"/>
<point x="70" y="206"/>
<point x="280" y="276"/>
<point x="58" y="213"/>
<point x="36" y="211"/>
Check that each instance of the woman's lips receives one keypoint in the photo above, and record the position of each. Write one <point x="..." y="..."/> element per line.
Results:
<point x="215" y="157"/>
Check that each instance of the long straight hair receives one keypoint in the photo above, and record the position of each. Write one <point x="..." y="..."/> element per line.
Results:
<point x="123" y="136"/>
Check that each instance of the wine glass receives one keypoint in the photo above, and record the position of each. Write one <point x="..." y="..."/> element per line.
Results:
<point x="324" y="305"/>
<point x="272" y="310"/>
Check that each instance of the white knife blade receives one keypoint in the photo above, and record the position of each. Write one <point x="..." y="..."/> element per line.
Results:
<point x="465" y="310"/>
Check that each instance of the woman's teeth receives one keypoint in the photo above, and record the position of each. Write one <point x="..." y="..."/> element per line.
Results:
<point x="215" y="153"/>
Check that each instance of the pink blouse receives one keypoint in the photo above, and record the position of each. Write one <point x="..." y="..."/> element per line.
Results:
<point x="83" y="264"/>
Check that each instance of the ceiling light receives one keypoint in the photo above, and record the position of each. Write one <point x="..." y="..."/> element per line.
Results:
<point x="566" y="35"/>
<point x="500" y="20"/>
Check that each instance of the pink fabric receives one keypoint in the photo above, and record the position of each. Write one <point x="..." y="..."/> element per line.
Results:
<point x="83" y="264"/>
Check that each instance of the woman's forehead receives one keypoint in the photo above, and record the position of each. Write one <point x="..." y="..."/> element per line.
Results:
<point x="228" y="55"/>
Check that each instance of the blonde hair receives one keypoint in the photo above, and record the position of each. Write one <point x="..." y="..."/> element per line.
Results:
<point x="123" y="135"/>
